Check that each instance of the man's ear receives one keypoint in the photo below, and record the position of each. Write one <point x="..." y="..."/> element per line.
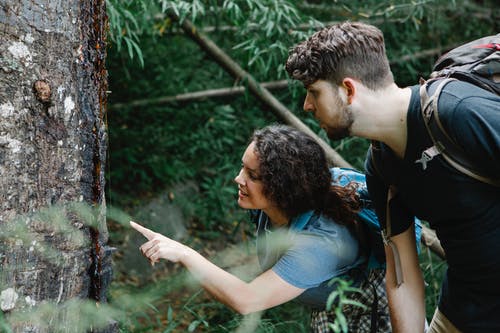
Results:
<point x="350" y="87"/>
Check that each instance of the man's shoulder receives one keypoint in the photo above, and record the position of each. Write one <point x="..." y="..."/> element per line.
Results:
<point x="457" y="93"/>
<point x="464" y="107"/>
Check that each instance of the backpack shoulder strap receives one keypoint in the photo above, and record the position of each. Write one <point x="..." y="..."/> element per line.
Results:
<point x="386" y="231"/>
<point x="443" y="144"/>
<point x="387" y="234"/>
<point x="375" y="156"/>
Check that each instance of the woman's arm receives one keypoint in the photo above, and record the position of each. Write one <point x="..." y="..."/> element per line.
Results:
<point x="265" y="291"/>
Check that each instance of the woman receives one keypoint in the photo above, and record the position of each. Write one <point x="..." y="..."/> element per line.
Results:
<point x="307" y="235"/>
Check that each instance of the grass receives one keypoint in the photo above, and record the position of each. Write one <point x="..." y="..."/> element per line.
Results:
<point x="433" y="269"/>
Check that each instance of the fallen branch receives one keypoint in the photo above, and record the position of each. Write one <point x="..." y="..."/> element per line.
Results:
<point x="197" y="95"/>
<point x="255" y="88"/>
<point x="423" y="54"/>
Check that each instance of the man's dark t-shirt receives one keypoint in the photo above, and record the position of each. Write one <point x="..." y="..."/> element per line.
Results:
<point x="464" y="212"/>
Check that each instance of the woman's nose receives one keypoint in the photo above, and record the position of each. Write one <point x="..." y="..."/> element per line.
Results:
<point x="239" y="178"/>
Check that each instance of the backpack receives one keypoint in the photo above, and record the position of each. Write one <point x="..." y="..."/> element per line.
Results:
<point x="367" y="216"/>
<point x="476" y="62"/>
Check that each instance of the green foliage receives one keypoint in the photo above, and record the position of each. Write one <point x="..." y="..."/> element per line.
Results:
<point x="432" y="25"/>
<point x="126" y="26"/>
<point x="338" y="299"/>
<point x="267" y="31"/>
<point x="158" y="145"/>
<point x="186" y="9"/>
<point x="433" y="269"/>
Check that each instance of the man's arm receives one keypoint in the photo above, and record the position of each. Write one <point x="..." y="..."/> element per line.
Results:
<point x="406" y="302"/>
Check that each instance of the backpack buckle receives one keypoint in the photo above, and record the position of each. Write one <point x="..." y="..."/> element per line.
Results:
<point x="428" y="155"/>
<point x="385" y="237"/>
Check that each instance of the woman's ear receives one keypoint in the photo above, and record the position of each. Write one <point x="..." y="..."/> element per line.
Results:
<point x="350" y="88"/>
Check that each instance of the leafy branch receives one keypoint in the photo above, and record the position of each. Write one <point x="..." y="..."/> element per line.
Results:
<point x="338" y="299"/>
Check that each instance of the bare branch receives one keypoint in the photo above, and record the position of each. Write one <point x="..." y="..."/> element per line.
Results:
<point x="197" y="95"/>
<point x="256" y="88"/>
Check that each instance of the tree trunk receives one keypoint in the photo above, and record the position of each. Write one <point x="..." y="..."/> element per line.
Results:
<point x="53" y="234"/>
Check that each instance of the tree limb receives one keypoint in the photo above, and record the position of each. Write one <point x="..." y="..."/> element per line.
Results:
<point x="198" y="95"/>
<point x="256" y="88"/>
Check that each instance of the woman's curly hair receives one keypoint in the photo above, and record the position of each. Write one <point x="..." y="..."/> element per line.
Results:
<point x="296" y="177"/>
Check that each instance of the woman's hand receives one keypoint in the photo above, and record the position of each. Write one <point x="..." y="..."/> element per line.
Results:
<point x="160" y="247"/>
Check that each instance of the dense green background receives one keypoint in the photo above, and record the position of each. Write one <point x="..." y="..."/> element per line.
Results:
<point x="156" y="147"/>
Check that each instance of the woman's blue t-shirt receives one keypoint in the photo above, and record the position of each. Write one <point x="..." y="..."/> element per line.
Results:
<point x="308" y="254"/>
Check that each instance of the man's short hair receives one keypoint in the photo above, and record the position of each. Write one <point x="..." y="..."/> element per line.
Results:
<point x="348" y="49"/>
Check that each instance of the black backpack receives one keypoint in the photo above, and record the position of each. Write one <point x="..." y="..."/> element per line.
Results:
<point x="477" y="62"/>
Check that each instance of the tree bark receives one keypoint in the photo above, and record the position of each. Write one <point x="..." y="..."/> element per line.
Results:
<point x="53" y="85"/>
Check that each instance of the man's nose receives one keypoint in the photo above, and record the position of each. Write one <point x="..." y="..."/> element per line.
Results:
<point x="308" y="106"/>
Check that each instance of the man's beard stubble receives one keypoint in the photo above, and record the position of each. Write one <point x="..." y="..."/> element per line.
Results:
<point x="337" y="134"/>
<point x="343" y="130"/>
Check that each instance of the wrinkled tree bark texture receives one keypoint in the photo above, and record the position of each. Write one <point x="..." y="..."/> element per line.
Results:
<point x="53" y="86"/>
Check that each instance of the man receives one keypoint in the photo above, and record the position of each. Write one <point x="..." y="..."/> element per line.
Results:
<point x="351" y="91"/>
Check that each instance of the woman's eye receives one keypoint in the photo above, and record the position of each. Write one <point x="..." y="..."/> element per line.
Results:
<point x="254" y="177"/>
<point x="250" y="174"/>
